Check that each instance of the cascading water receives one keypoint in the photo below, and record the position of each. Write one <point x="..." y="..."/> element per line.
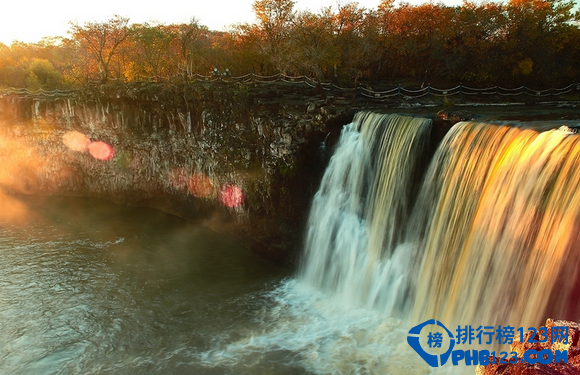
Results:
<point x="485" y="237"/>
<point x="336" y="317"/>
<point x="487" y="240"/>
<point x="360" y="211"/>
<point x="496" y="223"/>
<point x="493" y="227"/>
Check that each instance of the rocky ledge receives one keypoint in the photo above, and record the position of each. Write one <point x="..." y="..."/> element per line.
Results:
<point x="240" y="160"/>
<point x="531" y="342"/>
<point x="244" y="160"/>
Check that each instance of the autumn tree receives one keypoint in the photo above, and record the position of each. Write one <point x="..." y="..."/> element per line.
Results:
<point x="421" y="34"/>
<point x="32" y="65"/>
<point x="353" y="39"/>
<point x="42" y="75"/>
<point x="476" y="47"/>
<point x="150" y="51"/>
<point x="536" y="36"/>
<point x="275" y="19"/>
<point x="480" y="43"/>
<point x="191" y="39"/>
<point x="241" y="50"/>
<point x="100" y="43"/>
<point x="313" y="51"/>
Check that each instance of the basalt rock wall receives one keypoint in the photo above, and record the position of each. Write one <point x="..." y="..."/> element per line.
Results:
<point x="178" y="148"/>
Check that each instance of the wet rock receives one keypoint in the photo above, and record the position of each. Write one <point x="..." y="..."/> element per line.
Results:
<point x="455" y="116"/>
<point x="442" y="115"/>
<point x="264" y="139"/>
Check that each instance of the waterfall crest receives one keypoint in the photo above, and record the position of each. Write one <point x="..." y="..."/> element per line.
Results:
<point x="496" y="222"/>
<point x="350" y="245"/>
<point x="486" y="240"/>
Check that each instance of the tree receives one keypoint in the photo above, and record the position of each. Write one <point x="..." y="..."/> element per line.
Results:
<point x="475" y="53"/>
<point x="101" y="42"/>
<point x="313" y="52"/>
<point x="535" y="37"/>
<point x="42" y="74"/>
<point x="274" y="23"/>
<point x="150" y="51"/>
<point x="354" y="40"/>
<point x="190" y="38"/>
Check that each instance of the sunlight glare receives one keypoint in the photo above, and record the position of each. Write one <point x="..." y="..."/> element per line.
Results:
<point x="200" y="185"/>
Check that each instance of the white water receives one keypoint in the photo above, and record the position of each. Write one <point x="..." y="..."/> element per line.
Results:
<point x="487" y="242"/>
<point x="340" y="316"/>
<point x="360" y="211"/>
<point x="499" y="207"/>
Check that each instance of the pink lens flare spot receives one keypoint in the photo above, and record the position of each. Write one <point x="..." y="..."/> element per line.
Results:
<point x="231" y="196"/>
<point x="178" y="178"/>
<point x="76" y="141"/>
<point x="101" y="151"/>
<point x="200" y="185"/>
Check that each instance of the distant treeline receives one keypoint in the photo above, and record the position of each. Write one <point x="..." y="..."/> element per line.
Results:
<point x="534" y="42"/>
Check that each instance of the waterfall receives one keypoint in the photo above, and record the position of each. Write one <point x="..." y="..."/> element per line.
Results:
<point x="485" y="241"/>
<point x="360" y="211"/>
<point x="496" y="222"/>
<point x="484" y="236"/>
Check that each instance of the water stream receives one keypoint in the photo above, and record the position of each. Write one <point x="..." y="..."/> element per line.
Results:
<point x="486" y="235"/>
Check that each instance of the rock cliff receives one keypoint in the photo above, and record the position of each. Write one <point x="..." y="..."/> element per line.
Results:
<point x="237" y="159"/>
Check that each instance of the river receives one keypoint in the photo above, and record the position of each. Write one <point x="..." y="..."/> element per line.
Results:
<point x="89" y="287"/>
<point x="92" y="287"/>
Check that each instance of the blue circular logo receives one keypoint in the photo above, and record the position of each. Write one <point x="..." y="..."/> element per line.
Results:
<point x="432" y="360"/>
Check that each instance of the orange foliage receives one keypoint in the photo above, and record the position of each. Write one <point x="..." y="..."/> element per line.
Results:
<point x="479" y="43"/>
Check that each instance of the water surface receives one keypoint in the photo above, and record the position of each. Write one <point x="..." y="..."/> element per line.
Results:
<point x="92" y="287"/>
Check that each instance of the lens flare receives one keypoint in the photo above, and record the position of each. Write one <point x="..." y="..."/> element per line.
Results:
<point x="101" y="151"/>
<point x="24" y="171"/>
<point x="200" y="186"/>
<point x="231" y="196"/>
<point x="178" y="178"/>
<point x="76" y="141"/>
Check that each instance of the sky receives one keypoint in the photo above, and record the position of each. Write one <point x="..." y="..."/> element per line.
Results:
<point x="31" y="20"/>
